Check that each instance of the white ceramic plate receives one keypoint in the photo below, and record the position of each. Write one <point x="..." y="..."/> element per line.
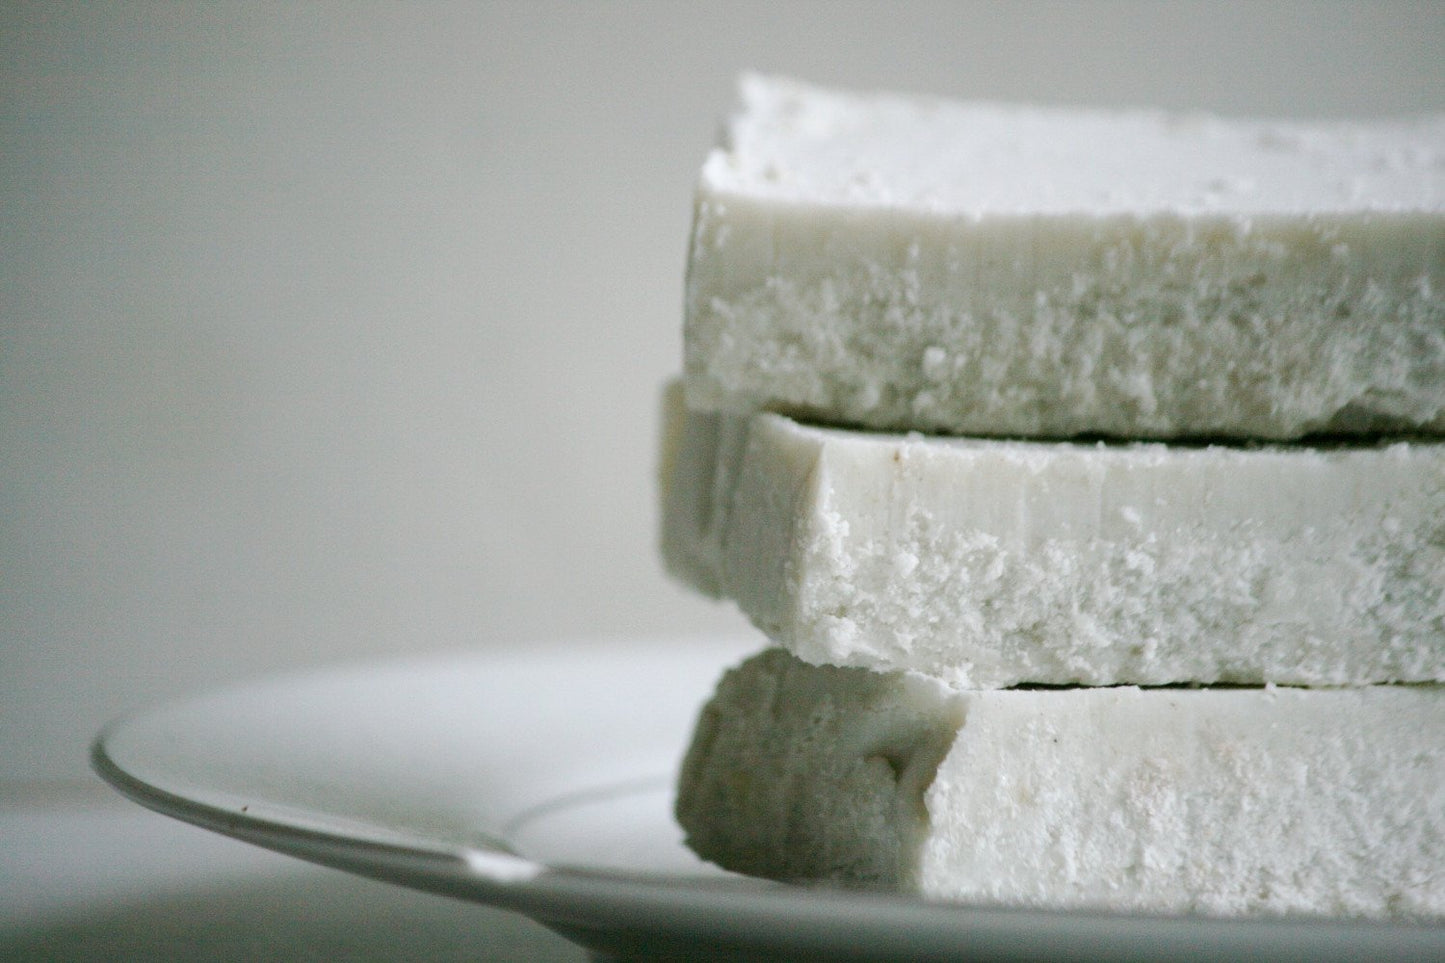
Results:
<point x="541" y="782"/>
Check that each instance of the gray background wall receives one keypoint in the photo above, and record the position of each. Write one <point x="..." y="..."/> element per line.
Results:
<point x="332" y="332"/>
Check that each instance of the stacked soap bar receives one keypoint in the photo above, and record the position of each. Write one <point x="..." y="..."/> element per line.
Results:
<point x="920" y="265"/>
<point x="999" y="645"/>
<point x="990" y="563"/>
<point x="1226" y="801"/>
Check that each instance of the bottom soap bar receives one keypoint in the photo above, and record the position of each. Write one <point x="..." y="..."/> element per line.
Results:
<point x="1241" y="801"/>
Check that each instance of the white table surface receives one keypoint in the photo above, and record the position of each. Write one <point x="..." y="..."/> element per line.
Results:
<point x="98" y="879"/>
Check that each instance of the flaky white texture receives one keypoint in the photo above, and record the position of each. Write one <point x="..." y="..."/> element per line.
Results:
<point x="909" y="263"/>
<point x="1229" y="802"/>
<point x="992" y="563"/>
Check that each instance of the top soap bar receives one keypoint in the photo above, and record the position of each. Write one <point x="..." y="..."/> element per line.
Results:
<point x="908" y="263"/>
<point x="792" y="142"/>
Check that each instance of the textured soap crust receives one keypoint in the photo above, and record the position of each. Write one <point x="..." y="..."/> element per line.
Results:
<point x="975" y="269"/>
<point x="992" y="563"/>
<point x="1215" y="801"/>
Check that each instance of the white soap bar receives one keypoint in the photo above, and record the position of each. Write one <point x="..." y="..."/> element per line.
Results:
<point x="1217" y="801"/>
<point x="979" y="269"/>
<point x="990" y="563"/>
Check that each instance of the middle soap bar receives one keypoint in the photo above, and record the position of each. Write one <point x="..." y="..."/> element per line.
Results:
<point x="994" y="563"/>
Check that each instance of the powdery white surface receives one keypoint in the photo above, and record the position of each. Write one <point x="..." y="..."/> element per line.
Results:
<point x="798" y="143"/>
<point x="991" y="563"/>
<point x="1230" y="802"/>
<point x="980" y="269"/>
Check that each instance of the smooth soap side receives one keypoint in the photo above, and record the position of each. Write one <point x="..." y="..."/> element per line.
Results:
<point x="1160" y="327"/>
<point x="1235" y="802"/>
<point x="993" y="563"/>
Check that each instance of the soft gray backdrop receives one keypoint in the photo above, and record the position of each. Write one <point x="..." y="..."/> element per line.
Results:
<point x="336" y="331"/>
<point x="330" y="332"/>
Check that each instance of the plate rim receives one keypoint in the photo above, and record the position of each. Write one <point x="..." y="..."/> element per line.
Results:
<point x="736" y="916"/>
